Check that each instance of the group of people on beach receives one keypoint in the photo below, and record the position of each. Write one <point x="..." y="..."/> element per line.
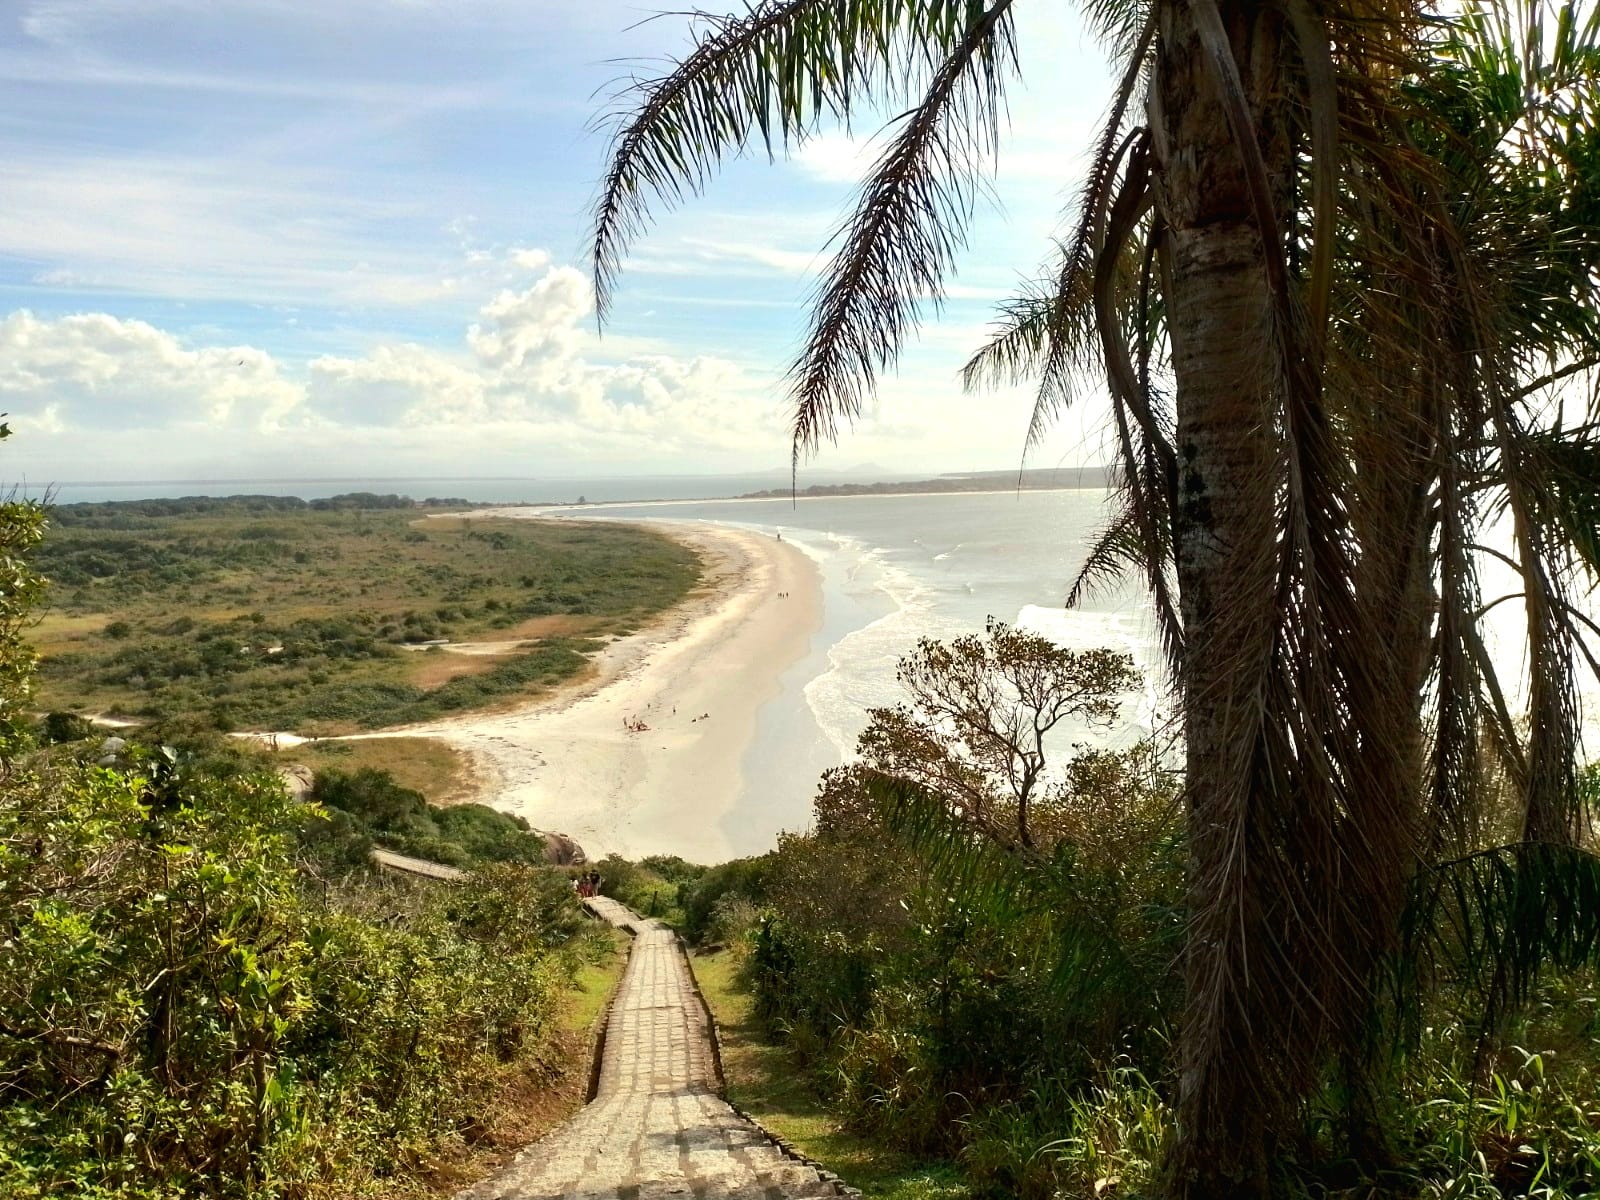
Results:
<point x="588" y="884"/>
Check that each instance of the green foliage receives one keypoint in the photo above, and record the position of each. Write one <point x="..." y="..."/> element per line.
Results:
<point x="725" y="901"/>
<point x="302" y="618"/>
<point x="951" y="977"/>
<point x="179" y="1016"/>
<point x="1487" y="926"/>
<point x="65" y="727"/>
<point x="648" y="892"/>
<point x="21" y="528"/>
<point x="1530" y="1127"/>
<point x="1109" y="1137"/>
<point x="375" y="808"/>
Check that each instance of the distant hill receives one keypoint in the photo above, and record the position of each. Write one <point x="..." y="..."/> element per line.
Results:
<point x="1041" y="479"/>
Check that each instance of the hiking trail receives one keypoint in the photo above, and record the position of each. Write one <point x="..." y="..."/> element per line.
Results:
<point x="656" y="1126"/>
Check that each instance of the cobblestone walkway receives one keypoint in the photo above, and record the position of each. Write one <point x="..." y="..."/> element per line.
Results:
<point x="656" y="1126"/>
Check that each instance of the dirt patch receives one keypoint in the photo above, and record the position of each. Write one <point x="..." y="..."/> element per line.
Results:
<point x="436" y="667"/>
<point x="559" y="625"/>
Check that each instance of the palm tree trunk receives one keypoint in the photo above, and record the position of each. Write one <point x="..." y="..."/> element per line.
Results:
<point x="1225" y="370"/>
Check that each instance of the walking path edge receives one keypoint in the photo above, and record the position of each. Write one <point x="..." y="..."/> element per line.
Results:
<point x="658" y="1125"/>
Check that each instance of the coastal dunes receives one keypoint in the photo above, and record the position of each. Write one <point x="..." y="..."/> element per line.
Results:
<point x="642" y="756"/>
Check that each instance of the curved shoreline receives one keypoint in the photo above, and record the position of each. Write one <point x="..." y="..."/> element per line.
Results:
<point x="571" y="763"/>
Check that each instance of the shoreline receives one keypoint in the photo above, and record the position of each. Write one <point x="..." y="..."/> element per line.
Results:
<point x="578" y="761"/>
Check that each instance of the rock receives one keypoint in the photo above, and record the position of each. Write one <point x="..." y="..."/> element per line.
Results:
<point x="299" y="780"/>
<point x="561" y="851"/>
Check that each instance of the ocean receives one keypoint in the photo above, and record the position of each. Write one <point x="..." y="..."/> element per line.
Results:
<point x="899" y="568"/>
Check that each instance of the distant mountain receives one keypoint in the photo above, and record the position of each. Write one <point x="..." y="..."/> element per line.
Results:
<point x="1041" y="479"/>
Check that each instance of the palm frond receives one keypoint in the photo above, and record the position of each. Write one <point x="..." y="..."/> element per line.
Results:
<point x="1074" y="332"/>
<point x="770" y="75"/>
<point x="1019" y="343"/>
<point x="908" y="224"/>
<point x="1564" y="466"/>
<point x="1491" y="922"/>
<point x="987" y="873"/>
<point x="1115" y="551"/>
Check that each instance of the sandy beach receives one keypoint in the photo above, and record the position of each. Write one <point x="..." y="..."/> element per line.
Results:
<point x="578" y="763"/>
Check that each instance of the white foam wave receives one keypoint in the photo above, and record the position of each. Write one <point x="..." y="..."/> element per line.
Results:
<point x="861" y="665"/>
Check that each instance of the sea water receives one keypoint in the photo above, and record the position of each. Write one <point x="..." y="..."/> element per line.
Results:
<point x="899" y="568"/>
<point x="896" y="569"/>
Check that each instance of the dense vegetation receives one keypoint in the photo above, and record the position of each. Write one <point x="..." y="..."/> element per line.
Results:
<point x="202" y="994"/>
<point x="367" y="806"/>
<point x="952" y="991"/>
<point x="271" y="613"/>
<point x="184" y="1014"/>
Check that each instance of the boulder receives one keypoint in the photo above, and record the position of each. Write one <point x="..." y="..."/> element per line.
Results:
<point x="561" y="851"/>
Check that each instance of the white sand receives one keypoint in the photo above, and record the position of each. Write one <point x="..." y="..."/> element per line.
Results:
<point x="569" y="764"/>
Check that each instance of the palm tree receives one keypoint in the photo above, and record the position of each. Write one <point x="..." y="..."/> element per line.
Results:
<point x="1311" y="287"/>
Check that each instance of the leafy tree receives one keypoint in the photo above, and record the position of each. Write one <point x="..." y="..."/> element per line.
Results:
<point x="1307" y="274"/>
<point x="981" y="713"/>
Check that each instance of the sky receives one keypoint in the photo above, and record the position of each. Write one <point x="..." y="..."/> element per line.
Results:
<point x="280" y="239"/>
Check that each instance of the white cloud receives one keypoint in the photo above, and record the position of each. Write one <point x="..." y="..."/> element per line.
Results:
<point x="787" y="262"/>
<point x="535" y="327"/>
<point x="529" y="375"/>
<point x="530" y="260"/>
<point x="836" y="157"/>
<point x="96" y="370"/>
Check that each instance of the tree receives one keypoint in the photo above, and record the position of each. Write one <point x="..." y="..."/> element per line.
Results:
<point x="1323" y="320"/>
<point x="981" y="712"/>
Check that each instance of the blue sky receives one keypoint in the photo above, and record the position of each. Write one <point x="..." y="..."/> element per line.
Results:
<point x="248" y="238"/>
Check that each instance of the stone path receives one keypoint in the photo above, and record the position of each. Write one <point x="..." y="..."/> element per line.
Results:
<point x="656" y="1126"/>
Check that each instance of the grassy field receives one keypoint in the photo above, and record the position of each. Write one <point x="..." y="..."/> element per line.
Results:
<point x="436" y="769"/>
<point x="765" y="1082"/>
<point x="257" y="613"/>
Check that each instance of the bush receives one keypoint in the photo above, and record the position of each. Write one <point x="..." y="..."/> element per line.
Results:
<point x="60" y="727"/>
<point x="647" y="892"/>
<point x="952" y="996"/>
<point x="721" y="902"/>
<point x="179" y="1016"/>
<point x="379" y="810"/>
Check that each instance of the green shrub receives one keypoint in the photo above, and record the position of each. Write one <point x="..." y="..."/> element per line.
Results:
<point x="377" y="809"/>
<point x="60" y="727"/>
<point x="179" y="1015"/>
<point x="720" y="903"/>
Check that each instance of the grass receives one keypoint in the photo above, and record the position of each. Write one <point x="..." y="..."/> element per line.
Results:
<point x="249" y="614"/>
<point x="435" y="768"/>
<point x="592" y="988"/>
<point x="765" y="1082"/>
